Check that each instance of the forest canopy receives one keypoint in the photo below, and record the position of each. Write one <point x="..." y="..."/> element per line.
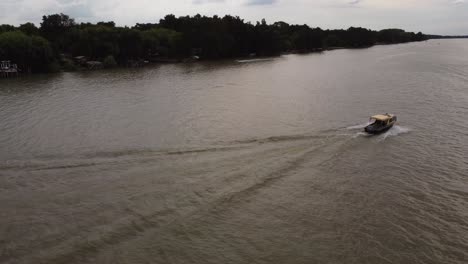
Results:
<point x="59" y="39"/>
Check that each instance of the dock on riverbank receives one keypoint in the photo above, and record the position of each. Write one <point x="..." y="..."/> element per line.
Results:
<point x="8" y="70"/>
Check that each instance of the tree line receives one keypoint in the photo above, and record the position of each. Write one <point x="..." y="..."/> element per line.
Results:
<point x="447" y="37"/>
<point x="50" y="46"/>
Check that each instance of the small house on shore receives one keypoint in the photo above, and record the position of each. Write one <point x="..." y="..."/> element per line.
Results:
<point x="80" y="60"/>
<point x="7" y="69"/>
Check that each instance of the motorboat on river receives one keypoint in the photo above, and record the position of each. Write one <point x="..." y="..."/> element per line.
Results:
<point x="380" y="123"/>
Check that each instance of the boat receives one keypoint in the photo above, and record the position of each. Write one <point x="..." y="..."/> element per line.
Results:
<point x="380" y="123"/>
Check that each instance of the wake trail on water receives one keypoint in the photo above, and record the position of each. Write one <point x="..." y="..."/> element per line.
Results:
<point x="394" y="131"/>
<point x="254" y="60"/>
<point x="136" y="155"/>
<point x="147" y="186"/>
<point x="358" y="126"/>
<point x="147" y="183"/>
<point x="110" y="157"/>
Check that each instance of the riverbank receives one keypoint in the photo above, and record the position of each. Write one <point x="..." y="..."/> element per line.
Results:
<point x="81" y="64"/>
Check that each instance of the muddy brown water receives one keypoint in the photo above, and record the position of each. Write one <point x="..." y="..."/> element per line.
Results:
<point x="250" y="161"/>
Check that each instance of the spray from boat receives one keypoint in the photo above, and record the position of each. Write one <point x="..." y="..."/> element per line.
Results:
<point x="394" y="131"/>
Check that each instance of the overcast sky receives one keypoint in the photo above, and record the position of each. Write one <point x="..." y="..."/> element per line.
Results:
<point x="428" y="16"/>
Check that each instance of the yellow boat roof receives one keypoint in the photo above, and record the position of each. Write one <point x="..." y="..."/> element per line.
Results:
<point x="382" y="117"/>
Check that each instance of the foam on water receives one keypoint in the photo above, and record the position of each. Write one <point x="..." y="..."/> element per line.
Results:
<point x="394" y="131"/>
<point x="361" y="134"/>
<point x="358" y="126"/>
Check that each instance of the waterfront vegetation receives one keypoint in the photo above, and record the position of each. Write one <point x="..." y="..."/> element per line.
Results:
<point x="60" y="43"/>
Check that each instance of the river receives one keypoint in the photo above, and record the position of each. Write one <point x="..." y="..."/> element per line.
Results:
<point x="240" y="161"/>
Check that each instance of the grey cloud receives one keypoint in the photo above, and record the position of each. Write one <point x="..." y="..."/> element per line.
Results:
<point x="65" y="2"/>
<point x="449" y="18"/>
<point x="199" y="2"/>
<point x="79" y="11"/>
<point x="73" y="8"/>
<point x="261" y="2"/>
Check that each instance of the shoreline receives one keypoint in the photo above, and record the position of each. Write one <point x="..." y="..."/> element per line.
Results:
<point x="141" y="63"/>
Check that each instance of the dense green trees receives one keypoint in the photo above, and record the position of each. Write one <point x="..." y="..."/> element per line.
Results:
<point x="30" y="53"/>
<point x="60" y="38"/>
<point x="398" y="36"/>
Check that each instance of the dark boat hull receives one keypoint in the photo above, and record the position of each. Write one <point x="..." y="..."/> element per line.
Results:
<point x="374" y="130"/>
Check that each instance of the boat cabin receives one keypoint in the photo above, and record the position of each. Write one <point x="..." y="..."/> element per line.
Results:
<point x="384" y="120"/>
